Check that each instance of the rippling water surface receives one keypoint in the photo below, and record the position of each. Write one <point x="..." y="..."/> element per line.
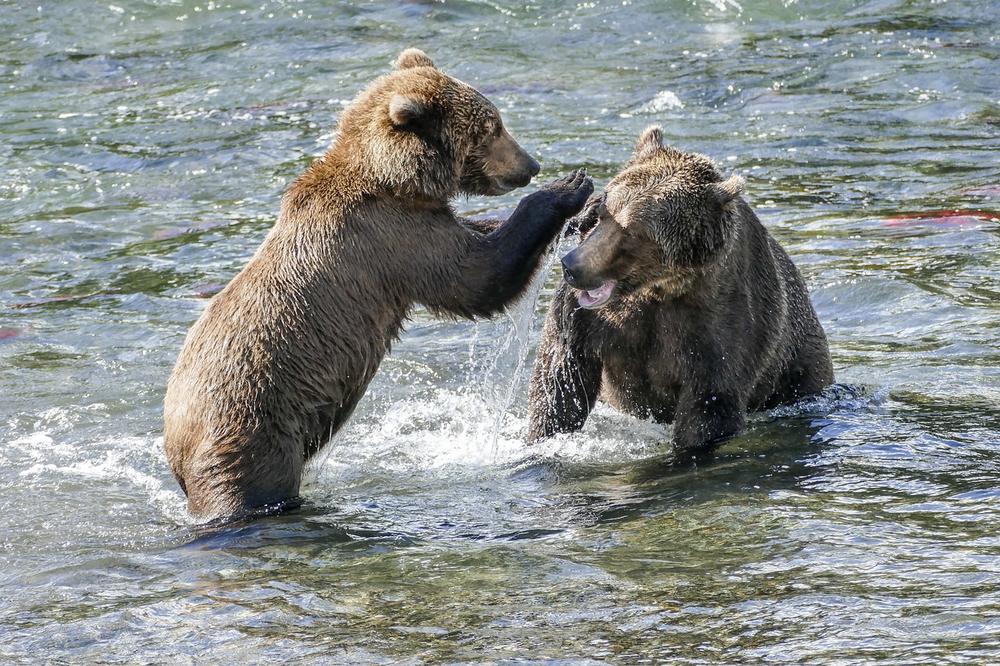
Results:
<point x="144" y="147"/>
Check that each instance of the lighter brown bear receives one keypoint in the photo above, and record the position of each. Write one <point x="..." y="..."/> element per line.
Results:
<point x="279" y="359"/>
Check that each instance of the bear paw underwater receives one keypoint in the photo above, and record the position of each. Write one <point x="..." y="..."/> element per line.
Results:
<point x="280" y="357"/>
<point x="677" y="305"/>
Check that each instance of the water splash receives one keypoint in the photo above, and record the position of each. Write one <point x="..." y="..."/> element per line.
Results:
<point x="517" y="344"/>
<point x="665" y="100"/>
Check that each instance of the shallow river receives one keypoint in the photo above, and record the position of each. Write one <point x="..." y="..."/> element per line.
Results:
<point x="144" y="147"/>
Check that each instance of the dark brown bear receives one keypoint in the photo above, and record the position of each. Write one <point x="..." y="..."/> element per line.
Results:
<point x="677" y="305"/>
<point x="279" y="359"/>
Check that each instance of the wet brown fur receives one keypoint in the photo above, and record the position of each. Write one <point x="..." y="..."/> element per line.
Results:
<point x="279" y="359"/>
<point x="709" y="319"/>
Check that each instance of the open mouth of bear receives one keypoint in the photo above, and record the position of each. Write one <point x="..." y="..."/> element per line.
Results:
<point x="595" y="298"/>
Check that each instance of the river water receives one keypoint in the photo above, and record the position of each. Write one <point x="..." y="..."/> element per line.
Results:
<point x="144" y="147"/>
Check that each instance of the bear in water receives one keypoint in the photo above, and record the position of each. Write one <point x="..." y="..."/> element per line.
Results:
<point x="281" y="356"/>
<point x="677" y="305"/>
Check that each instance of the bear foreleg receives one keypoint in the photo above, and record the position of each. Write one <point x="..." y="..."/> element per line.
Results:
<point x="485" y="272"/>
<point x="705" y="418"/>
<point x="566" y="378"/>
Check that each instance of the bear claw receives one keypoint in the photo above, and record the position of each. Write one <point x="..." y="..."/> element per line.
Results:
<point x="571" y="192"/>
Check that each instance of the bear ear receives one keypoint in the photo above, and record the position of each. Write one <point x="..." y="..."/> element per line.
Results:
<point x="405" y="111"/>
<point x="728" y="189"/>
<point x="413" y="58"/>
<point x="650" y="141"/>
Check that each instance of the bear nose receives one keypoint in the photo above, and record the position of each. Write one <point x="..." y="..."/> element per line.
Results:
<point x="569" y="267"/>
<point x="530" y="170"/>
<point x="533" y="167"/>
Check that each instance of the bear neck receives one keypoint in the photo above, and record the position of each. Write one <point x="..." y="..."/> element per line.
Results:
<point x="339" y="181"/>
<point x="381" y="168"/>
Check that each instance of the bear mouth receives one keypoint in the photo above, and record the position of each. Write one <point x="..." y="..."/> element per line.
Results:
<point x="592" y="299"/>
<point x="489" y="187"/>
<point x="501" y="186"/>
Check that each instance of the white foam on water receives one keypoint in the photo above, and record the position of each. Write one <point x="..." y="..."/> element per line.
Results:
<point x="445" y="435"/>
<point x="723" y="5"/>
<point x="39" y="446"/>
<point x="835" y="398"/>
<point x="664" y="100"/>
<point x="119" y="459"/>
<point x="476" y="430"/>
<point x="443" y="429"/>
<point x="448" y="435"/>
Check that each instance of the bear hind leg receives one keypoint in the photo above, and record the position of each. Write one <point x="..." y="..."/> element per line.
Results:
<point x="265" y="481"/>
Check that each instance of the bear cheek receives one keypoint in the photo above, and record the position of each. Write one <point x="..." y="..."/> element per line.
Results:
<point x="643" y="260"/>
<point x="474" y="178"/>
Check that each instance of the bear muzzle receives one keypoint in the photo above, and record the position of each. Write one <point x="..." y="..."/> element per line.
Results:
<point x="508" y="165"/>
<point x="593" y="291"/>
<point x="529" y="170"/>
<point x="587" y="268"/>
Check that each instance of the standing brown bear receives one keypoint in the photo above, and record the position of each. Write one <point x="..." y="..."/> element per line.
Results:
<point x="677" y="305"/>
<point x="279" y="359"/>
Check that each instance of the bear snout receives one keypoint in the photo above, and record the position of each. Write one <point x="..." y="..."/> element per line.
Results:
<point x="568" y="273"/>
<point x="529" y="169"/>
<point x="593" y="261"/>
<point x="575" y="273"/>
<point x="533" y="167"/>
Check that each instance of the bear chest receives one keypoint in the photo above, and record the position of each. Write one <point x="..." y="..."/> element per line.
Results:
<point x="640" y="375"/>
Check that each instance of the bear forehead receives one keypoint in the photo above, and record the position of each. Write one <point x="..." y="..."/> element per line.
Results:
<point x="666" y="175"/>
<point x="426" y="84"/>
<point x="423" y="83"/>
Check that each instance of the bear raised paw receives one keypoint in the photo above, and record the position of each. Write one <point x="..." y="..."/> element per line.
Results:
<point x="677" y="305"/>
<point x="281" y="356"/>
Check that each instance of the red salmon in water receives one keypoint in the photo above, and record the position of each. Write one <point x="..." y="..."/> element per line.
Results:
<point x="949" y="218"/>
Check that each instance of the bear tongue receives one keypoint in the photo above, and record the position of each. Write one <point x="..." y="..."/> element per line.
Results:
<point x="595" y="298"/>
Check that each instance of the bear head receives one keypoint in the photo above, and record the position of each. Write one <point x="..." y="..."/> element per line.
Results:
<point x="422" y="133"/>
<point x="662" y="221"/>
